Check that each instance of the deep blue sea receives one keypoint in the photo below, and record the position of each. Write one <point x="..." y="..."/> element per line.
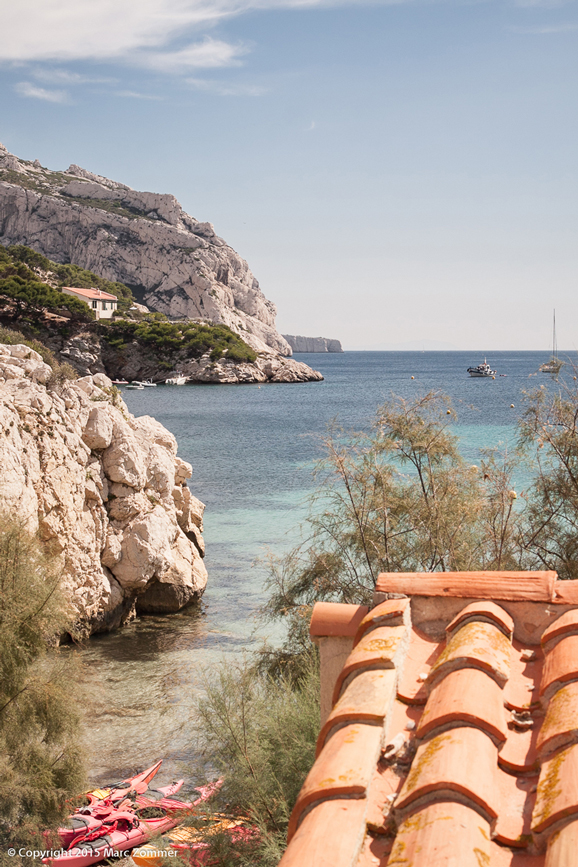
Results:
<point x="253" y="449"/>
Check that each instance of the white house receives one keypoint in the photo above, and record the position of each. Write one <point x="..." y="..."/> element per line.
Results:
<point x="101" y="302"/>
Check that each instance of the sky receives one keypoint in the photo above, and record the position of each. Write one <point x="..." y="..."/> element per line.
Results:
<point x="398" y="174"/>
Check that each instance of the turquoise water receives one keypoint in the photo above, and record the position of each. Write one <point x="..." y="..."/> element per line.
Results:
<point x="252" y="449"/>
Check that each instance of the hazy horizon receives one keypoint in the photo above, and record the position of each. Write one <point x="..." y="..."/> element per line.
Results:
<point x="393" y="171"/>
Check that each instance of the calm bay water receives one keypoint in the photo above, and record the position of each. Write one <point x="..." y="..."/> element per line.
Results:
<point x="252" y="449"/>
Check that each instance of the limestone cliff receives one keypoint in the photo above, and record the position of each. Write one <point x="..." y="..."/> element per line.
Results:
<point x="103" y="488"/>
<point x="312" y="344"/>
<point x="173" y="262"/>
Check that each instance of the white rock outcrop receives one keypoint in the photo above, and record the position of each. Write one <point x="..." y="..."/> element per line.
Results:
<point x="104" y="489"/>
<point x="145" y="240"/>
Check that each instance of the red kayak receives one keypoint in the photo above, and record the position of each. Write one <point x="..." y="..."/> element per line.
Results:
<point x="122" y="832"/>
<point x="117" y="791"/>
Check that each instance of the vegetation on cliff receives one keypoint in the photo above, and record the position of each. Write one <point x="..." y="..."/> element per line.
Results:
<point x="29" y="297"/>
<point x="167" y="340"/>
<point x="68" y="275"/>
<point x="41" y="762"/>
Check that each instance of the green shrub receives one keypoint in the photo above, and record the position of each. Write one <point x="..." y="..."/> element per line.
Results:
<point x="41" y="763"/>
<point x="260" y="734"/>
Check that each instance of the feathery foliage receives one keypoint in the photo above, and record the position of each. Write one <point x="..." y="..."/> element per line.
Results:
<point x="260" y="734"/>
<point x="40" y="760"/>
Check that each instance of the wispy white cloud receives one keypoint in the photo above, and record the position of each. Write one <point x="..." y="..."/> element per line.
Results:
<point x="27" y="89"/>
<point x="132" y="94"/>
<point x="224" y="88"/>
<point x="311" y="126"/>
<point x="207" y="54"/>
<point x="66" y="77"/>
<point x="128" y="31"/>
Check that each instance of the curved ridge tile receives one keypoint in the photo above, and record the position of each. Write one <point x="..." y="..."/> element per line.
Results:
<point x="442" y="834"/>
<point x="475" y="645"/>
<point x="380" y="648"/>
<point x="560" y="726"/>
<point x="566" y="624"/>
<point x="442" y="768"/>
<point x="392" y="612"/>
<point x="330" y="835"/>
<point x="566" y="592"/>
<point x="368" y="698"/>
<point x="344" y="768"/>
<point x="465" y="697"/>
<point x="487" y="612"/>
<point x="336" y="619"/>
<point x="563" y="847"/>
<point x="560" y="667"/>
<point x="557" y="796"/>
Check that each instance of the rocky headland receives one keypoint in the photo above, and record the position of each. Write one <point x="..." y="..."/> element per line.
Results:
<point x="172" y="262"/>
<point x="104" y="489"/>
<point x="312" y="344"/>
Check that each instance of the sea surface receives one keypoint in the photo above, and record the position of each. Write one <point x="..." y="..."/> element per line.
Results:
<point x="253" y="449"/>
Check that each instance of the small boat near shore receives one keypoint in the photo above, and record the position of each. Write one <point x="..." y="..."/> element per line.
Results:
<point x="177" y="379"/>
<point x="137" y="385"/>
<point x="482" y="370"/>
<point x="120" y="382"/>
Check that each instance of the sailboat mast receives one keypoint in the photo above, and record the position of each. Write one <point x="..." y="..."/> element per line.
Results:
<point x="554" y="345"/>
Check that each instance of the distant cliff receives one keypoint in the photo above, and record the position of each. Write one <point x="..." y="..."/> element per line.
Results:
<point x="312" y="344"/>
<point x="171" y="261"/>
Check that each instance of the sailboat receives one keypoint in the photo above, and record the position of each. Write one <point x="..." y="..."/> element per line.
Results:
<point x="554" y="365"/>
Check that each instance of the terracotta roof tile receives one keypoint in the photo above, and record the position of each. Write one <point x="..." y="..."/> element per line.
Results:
<point x="525" y="586"/>
<point x="523" y="686"/>
<point x="566" y="624"/>
<point x="375" y="851"/>
<point x="344" y="768"/>
<point x="339" y="844"/>
<point x="560" y="726"/>
<point x="557" y="798"/>
<point x="563" y="847"/>
<point x="519" y="754"/>
<point x="440" y="835"/>
<point x="377" y="649"/>
<point x="561" y="666"/>
<point x="566" y="592"/>
<point x="442" y="767"/>
<point x="475" y="645"/>
<point x="485" y="611"/>
<point x="456" y="782"/>
<point x="389" y="613"/>
<point x="422" y="654"/>
<point x="466" y="696"/>
<point x="367" y="698"/>
<point x="336" y="619"/>
<point x="515" y="798"/>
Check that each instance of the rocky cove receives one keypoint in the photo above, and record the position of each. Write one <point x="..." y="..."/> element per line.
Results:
<point x="104" y="489"/>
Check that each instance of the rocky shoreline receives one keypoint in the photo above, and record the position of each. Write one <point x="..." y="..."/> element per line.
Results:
<point x="89" y="354"/>
<point x="105" y="490"/>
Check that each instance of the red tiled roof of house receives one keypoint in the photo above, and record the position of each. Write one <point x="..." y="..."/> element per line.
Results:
<point x="453" y="737"/>
<point x="95" y="294"/>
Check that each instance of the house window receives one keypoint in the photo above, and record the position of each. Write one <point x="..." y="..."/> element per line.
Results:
<point x="94" y="305"/>
<point x="104" y="305"/>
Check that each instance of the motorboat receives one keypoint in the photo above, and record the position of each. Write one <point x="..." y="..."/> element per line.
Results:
<point x="120" y="382"/>
<point x="148" y="383"/>
<point x="138" y="385"/>
<point x="554" y="364"/>
<point x="483" y="369"/>
<point x="177" y="379"/>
